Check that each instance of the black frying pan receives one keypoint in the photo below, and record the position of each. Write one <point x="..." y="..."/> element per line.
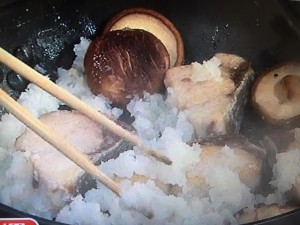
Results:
<point x="264" y="32"/>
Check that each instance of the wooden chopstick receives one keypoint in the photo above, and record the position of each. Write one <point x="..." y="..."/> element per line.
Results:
<point x="60" y="144"/>
<point x="74" y="102"/>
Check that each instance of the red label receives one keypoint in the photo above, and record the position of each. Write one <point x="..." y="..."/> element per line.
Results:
<point x="18" y="221"/>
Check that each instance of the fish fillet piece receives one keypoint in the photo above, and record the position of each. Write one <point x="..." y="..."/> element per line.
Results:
<point x="213" y="94"/>
<point x="232" y="152"/>
<point x="54" y="174"/>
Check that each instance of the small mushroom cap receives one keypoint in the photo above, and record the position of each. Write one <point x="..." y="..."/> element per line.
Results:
<point x="155" y="23"/>
<point x="276" y="93"/>
<point x="123" y="63"/>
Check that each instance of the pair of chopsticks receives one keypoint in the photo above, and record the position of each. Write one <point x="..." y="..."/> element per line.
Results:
<point x="43" y="131"/>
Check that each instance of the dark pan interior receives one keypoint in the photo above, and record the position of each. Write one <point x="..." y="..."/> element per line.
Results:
<point x="264" y="32"/>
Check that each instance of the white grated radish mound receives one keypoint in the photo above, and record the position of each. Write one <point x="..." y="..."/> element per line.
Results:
<point x="153" y="114"/>
<point x="144" y="202"/>
<point x="159" y="123"/>
<point x="285" y="176"/>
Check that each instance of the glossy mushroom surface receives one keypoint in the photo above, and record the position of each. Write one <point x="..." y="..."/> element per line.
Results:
<point x="276" y="93"/>
<point x="155" y="23"/>
<point x="124" y="63"/>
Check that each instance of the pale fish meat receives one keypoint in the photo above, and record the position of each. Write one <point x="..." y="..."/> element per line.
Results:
<point x="213" y="94"/>
<point x="54" y="174"/>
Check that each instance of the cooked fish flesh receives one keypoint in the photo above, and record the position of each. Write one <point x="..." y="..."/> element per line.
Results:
<point x="213" y="94"/>
<point x="54" y="173"/>
<point x="245" y="159"/>
<point x="234" y="154"/>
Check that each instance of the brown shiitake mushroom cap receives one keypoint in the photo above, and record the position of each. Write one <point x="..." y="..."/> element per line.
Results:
<point x="124" y="63"/>
<point x="276" y="93"/>
<point x="155" y="23"/>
